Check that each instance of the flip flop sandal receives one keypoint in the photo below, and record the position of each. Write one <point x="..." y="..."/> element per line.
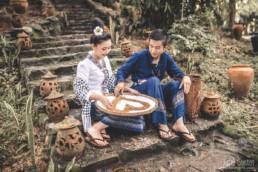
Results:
<point x="181" y="134"/>
<point x="164" y="138"/>
<point x="107" y="139"/>
<point x="91" y="141"/>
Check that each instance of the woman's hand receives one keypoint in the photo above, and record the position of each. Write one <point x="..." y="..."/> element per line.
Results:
<point x="106" y="102"/>
<point x="119" y="88"/>
<point x="186" y="82"/>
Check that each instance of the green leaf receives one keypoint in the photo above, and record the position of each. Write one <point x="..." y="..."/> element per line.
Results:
<point x="70" y="165"/>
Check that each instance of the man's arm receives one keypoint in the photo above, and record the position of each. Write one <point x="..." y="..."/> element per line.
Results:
<point x="123" y="72"/>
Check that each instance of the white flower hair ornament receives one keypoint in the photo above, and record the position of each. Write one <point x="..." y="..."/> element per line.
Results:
<point x="98" y="31"/>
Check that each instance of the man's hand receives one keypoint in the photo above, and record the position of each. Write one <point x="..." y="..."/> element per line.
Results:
<point x="119" y="87"/>
<point x="105" y="101"/>
<point x="186" y="82"/>
<point x="133" y="91"/>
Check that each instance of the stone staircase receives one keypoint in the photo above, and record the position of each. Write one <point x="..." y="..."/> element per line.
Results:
<point x="60" y="55"/>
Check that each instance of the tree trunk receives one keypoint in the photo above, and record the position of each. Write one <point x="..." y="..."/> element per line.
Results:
<point x="232" y="14"/>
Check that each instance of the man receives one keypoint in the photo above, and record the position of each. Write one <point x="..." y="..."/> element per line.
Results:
<point x="147" y="69"/>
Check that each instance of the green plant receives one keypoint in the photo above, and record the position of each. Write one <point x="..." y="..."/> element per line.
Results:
<point x="114" y="34"/>
<point x="70" y="165"/>
<point x="189" y="66"/>
<point x="8" y="106"/>
<point x="10" y="58"/>
<point x="29" y="128"/>
<point x="187" y="35"/>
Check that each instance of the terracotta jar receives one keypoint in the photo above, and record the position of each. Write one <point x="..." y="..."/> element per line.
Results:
<point x="24" y="41"/>
<point x="48" y="84"/>
<point x="50" y="11"/>
<point x="242" y="77"/>
<point x="17" y="21"/>
<point x="211" y="105"/>
<point x="193" y="98"/>
<point x="126" y="48"/>
<point x="57" y="108"/>
<point x="69" y="141"/>
<point x="237" y="30"/>
<point x="19" y="6"/>
<point x="147" y="40"/>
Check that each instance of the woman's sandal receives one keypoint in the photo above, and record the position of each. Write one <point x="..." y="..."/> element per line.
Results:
<point x="91" y="141"/>
<point x="164" y="138"/>
<point x="107" y="139"/>
<point x="181" y="134"/>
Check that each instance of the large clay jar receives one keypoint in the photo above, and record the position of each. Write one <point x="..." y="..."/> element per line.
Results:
<point x="193" y="98"/>
<point x="24" y="41"/>
<point x="48" y="84"/>
<point x="126" y="48"/>
<point x="19" y="6"/>
<point x="242" y="77"/>
<point x="69" y="141"/>
<point x="211" y="105"/>
<point x="237" y="30"/>
<point x="57" y="108"/>
<point x="147" y="42"/>
<point x="17" y="21"/>
<point x="254" y="40"/>
<point x="50" y="11"/>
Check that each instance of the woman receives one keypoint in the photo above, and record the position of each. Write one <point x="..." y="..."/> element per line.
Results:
<point x="94" y="79"/>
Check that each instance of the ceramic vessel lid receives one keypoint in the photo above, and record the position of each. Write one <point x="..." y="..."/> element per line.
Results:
<point x="241" y="65"/>
<point x="54" y="95"/>
<point x="126" y="42"/>
<point x="22" y="35"/>
<point x="67" y="123"/>
<point x="48" y="75"/>
<point x="211" y="95"/>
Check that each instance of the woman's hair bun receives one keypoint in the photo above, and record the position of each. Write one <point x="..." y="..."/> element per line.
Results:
<point x="97" y="22"/>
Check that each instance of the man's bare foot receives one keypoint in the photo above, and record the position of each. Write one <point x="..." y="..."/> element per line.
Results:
<point x="183" y="128"/>
<point x="165" y="134"/>
<point x="94" y="133"/>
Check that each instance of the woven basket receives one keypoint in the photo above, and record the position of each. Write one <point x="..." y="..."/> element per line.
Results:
<point x="193" y="98"/>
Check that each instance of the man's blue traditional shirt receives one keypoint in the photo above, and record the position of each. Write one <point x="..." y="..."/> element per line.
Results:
<point x="140" y="67"/>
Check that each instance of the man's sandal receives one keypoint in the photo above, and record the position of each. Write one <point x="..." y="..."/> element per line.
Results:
<point x="181" y="134"/>
<point x="91" y="141"/>
<point x="164" y="138"/>
<point x="106" y="137"/>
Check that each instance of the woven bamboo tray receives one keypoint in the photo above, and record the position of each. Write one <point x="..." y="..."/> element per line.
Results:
<point x="152" y="101"/>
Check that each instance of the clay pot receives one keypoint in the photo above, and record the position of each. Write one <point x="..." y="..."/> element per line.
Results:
<point x="17" y="21"/>
<point x="19" y="6"/>
<point x="147" y="41"/>
<point x="211" y="105"/>
<point x="126" y="48"/>
<point x="24" y="41"/>
<point x="69" y="141"/>
<point x="242" y="77"/>
<point x="56" y="107"/>
<point x="193" y="98"/>
<point x="48" y="84"/>
<point x="50" y="11"/>
<point x="116" y="6"/>
<point x="237" y="30"/>
<point x="254" y="40"/>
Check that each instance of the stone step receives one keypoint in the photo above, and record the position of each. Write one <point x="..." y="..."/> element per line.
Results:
<point x="59" y="38"/>
<point x="65" y="68"/>
<point x="78" y="28"/>
<point x="76" y="32"/>
<point x="80" y="17"/>
<point x="52" y="44"/>
<point x="84" y="22"/>
<point x="54" y="51"/>
<point x="128" y="146"/>
<point x="78" y="23"/>
<point x="75" y="10"/>
<point x="48" y="60"/>
<point x="69" y="4"/>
